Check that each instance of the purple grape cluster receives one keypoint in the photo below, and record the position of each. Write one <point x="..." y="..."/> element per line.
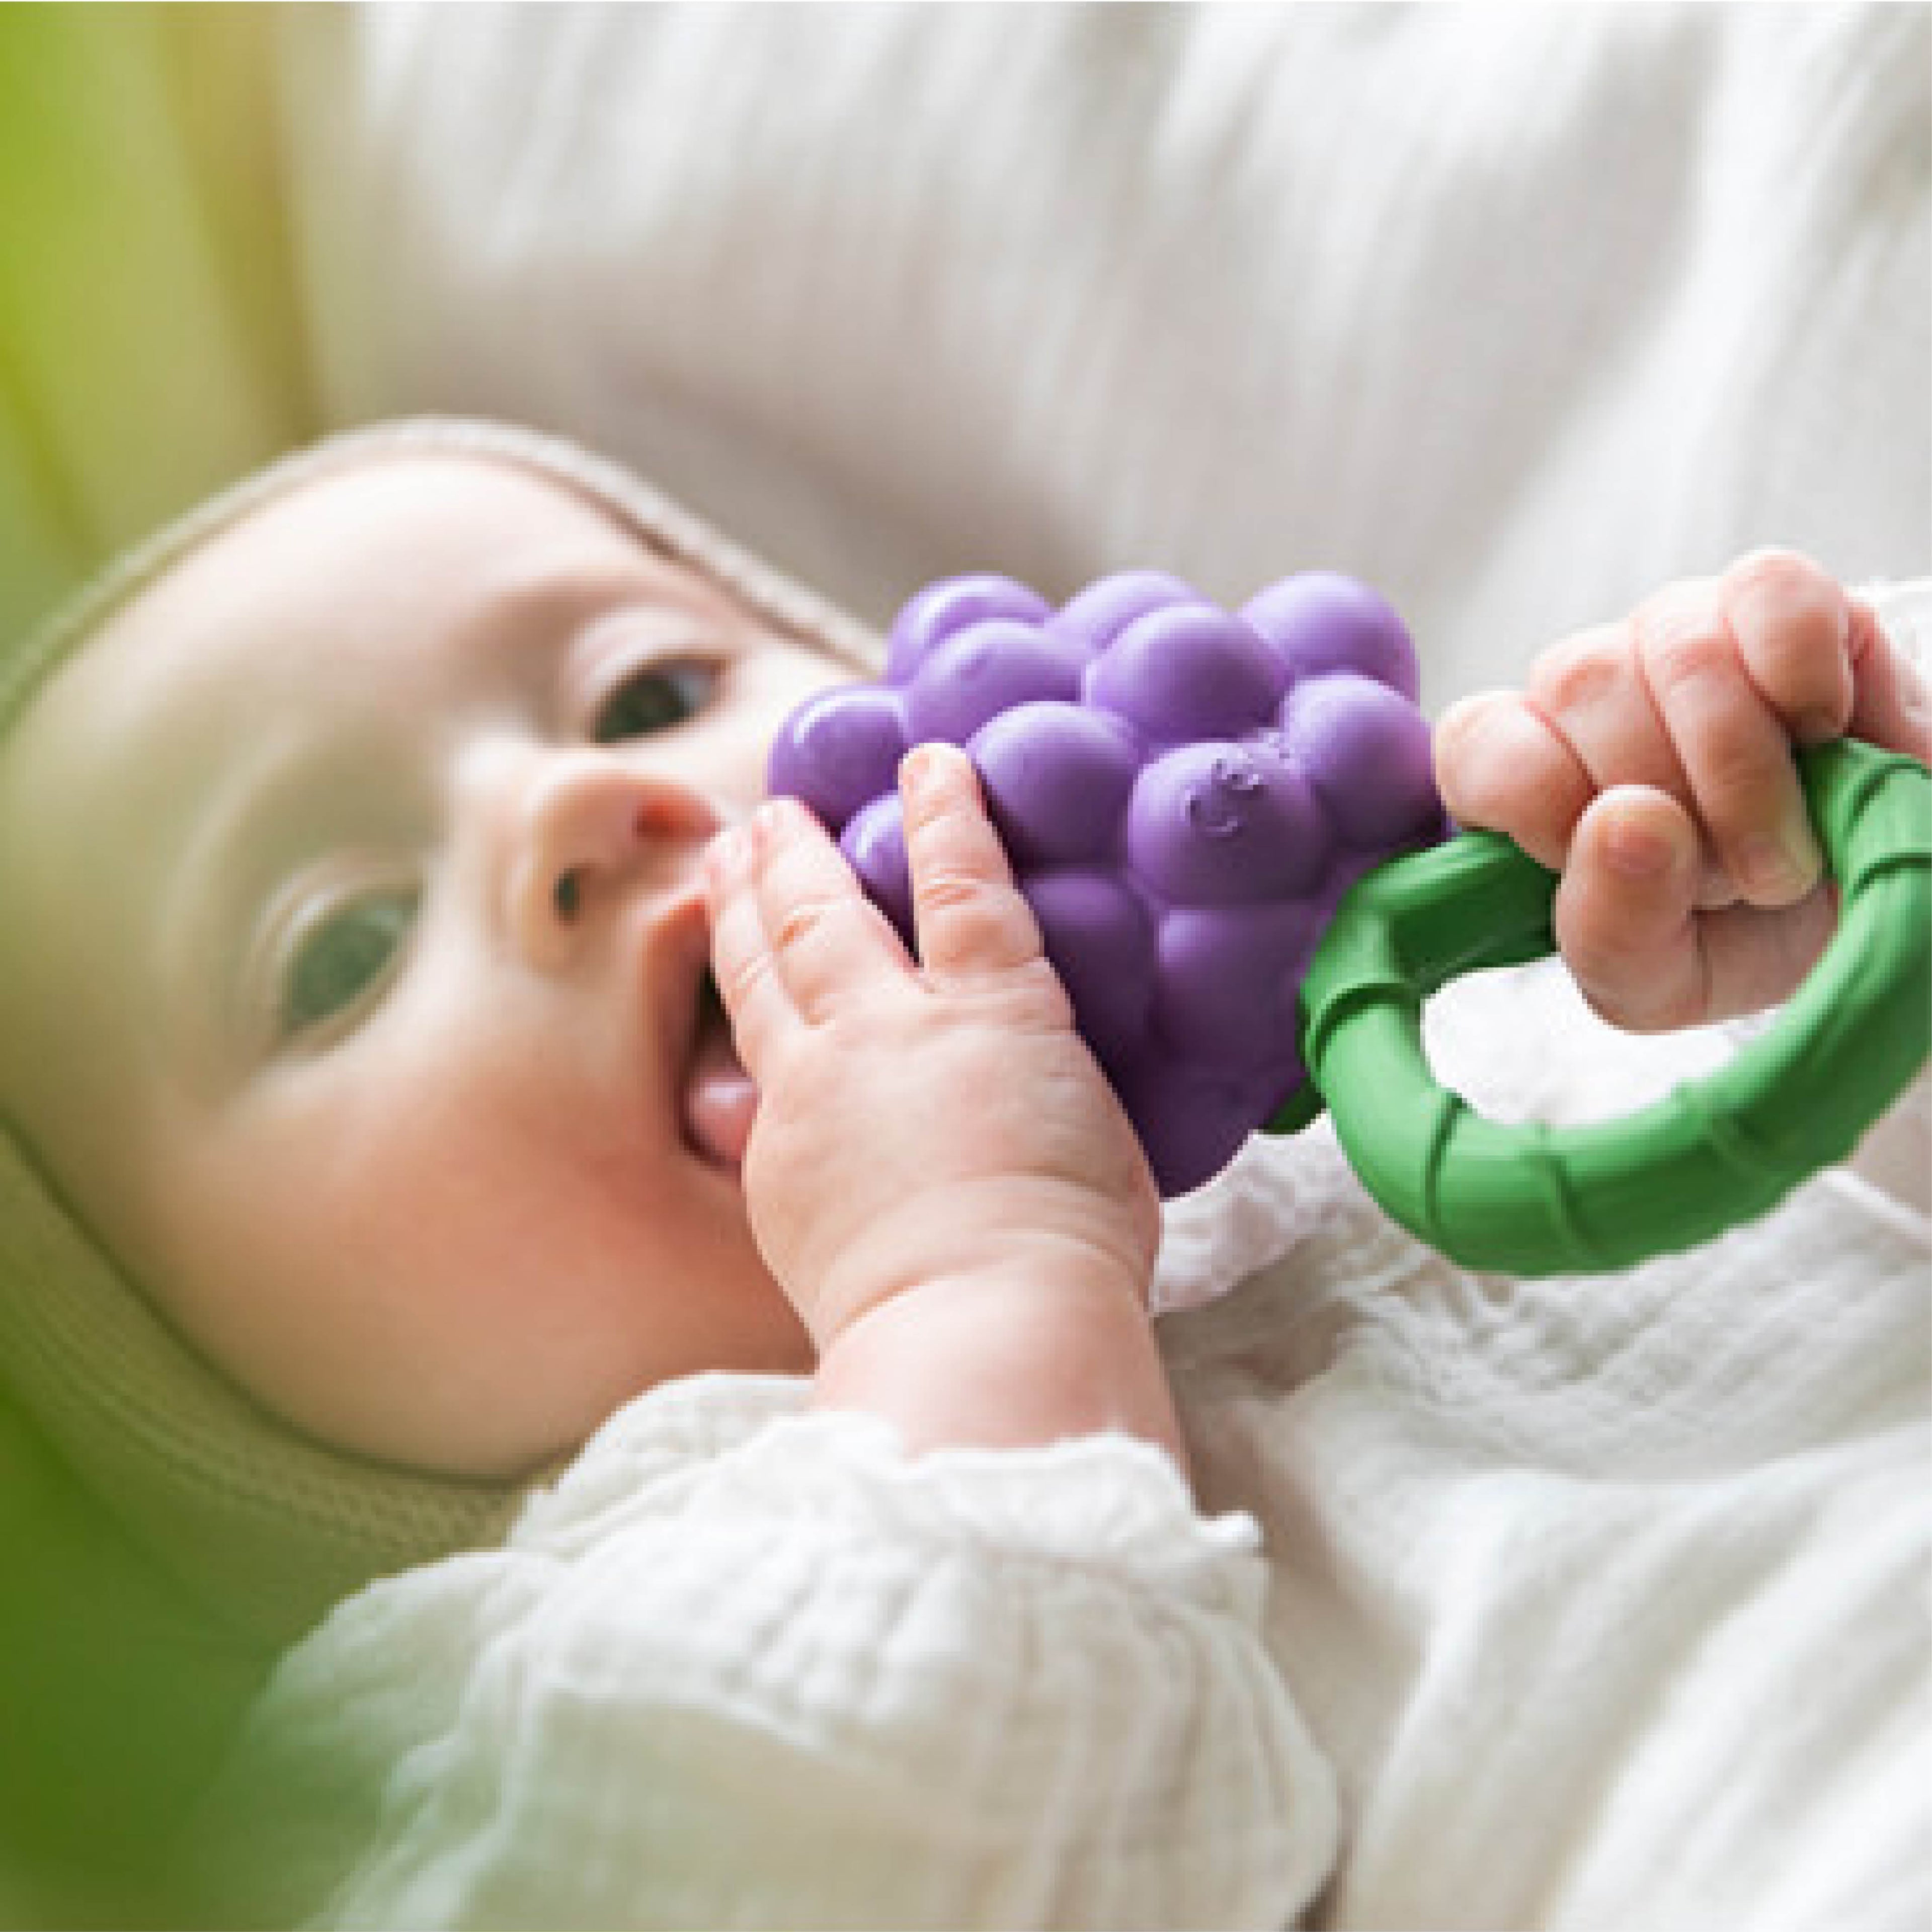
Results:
<point x="1184" y="795"/>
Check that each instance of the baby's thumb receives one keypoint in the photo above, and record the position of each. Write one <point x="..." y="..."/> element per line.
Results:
<point x="1625" y="911"/>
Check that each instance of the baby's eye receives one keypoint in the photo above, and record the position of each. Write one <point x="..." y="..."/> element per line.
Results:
<point x="340" y="958"/>
<point x="654" y="699"/>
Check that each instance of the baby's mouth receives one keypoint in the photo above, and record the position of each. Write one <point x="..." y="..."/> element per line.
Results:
<point x="718" y="1099"/>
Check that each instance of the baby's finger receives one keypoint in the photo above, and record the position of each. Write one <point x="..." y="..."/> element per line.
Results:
<point x="1591" y="689"/>
<point x="1502" y="765"/>
<point x="1792" y="625"/>
<point x="828" y="942"/>
<point x="1890" y="705"/>
<point x="755" y="1001"/>
<point x="1625" y="911"/>
<point x="1734" y="750"/>
<point x="969" y="915"/>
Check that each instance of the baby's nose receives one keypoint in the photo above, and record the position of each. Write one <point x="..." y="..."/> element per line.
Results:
<point x="595" y="828"/>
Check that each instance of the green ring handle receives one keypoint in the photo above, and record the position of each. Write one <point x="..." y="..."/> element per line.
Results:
<point x="1533" y="1199"/>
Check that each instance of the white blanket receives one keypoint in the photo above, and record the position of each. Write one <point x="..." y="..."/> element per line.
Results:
<point x="1604" y="1601"/>
<point x="1517" y="312"/>
<point x="1605" y="1596"/>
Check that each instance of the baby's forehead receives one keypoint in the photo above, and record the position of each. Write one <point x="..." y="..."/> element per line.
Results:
<point x="392" y="538"/>
<point x="372" y="564"/>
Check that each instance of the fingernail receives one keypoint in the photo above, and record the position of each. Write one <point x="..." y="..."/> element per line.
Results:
<point x="1783" y="866"/>
<point x="1914" y="701"/>
<point x="1638" y="849"/>
<point x="922" y="766"/>
<point x="1461" y="730"/>
<point x="1757" y="611"/>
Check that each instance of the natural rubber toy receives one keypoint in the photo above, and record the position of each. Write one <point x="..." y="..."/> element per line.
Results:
<point x="1204" y="810"/>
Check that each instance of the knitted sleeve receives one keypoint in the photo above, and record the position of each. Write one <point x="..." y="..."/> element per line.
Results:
<point x="747" y="1666"/>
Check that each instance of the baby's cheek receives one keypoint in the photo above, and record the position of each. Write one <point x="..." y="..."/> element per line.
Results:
<point x="398" y="1291"/>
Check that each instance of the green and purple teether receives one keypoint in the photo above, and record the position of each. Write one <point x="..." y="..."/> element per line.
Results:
<point x="1227" y="825"/>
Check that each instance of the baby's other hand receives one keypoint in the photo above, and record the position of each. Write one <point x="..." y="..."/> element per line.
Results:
<point x="932" y="1132"/>
<point x="1650" y="762"/>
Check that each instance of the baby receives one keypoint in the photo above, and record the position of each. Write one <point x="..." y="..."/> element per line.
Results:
<point x="405" y="982"/>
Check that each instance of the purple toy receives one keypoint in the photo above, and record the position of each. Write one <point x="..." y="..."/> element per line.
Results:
<point x="1185" y="795"/>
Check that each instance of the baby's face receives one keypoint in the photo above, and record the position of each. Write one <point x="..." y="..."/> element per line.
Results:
<point x="353" y="975"/>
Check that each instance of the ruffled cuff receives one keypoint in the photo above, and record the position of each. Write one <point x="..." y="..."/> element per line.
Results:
<point x="744" y="1447"/>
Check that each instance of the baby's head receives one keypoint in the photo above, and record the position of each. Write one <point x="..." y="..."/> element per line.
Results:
<point x="353" y="980"/>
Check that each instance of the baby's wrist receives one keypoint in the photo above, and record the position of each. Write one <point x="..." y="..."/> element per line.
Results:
<point x="1008" y="1356"/>
<point x="991" y="1236"/>
<point x="1023" y="1268"/>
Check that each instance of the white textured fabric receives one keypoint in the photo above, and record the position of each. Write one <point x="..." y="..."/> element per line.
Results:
<point x="745" y="1666"/>
<point x="1515" y="312"/>
<point x="1605" y="1597"/>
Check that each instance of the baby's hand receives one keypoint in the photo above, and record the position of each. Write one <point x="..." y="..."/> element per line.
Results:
<point x="938" y="1174"/>
<point x="1650" y="761"/>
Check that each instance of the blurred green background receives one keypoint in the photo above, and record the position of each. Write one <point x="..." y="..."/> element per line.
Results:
<point x="148" y="348"/>
<point x="148" y="353"/>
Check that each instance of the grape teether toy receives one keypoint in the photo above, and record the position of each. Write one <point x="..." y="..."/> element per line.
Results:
<point x="1228" y="827"/>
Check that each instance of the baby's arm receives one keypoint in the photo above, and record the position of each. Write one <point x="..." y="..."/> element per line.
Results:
<point x="1650" y="761"/>
<point x="939" y="1175"/>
